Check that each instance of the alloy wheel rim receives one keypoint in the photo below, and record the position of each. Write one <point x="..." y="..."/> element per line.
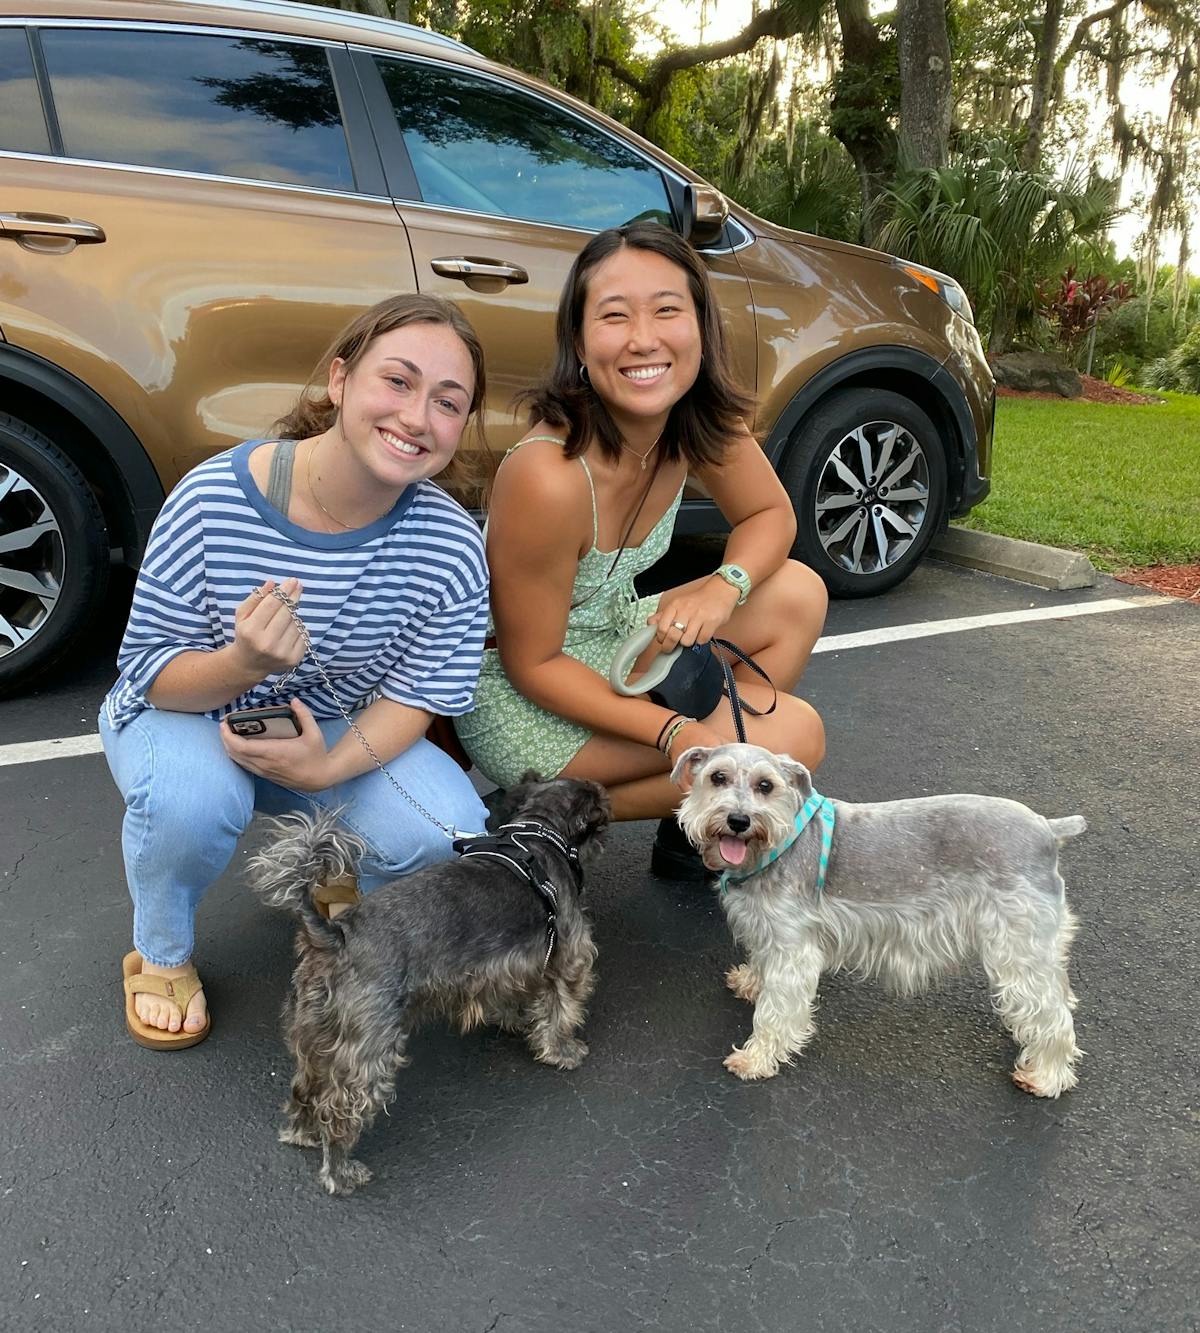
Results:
<point x="32" y="560"/>
<point x="872" y="497"/>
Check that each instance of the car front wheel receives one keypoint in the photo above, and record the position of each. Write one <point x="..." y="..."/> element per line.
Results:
<point x="866" y="473"/>
<point x="53" y="554"/>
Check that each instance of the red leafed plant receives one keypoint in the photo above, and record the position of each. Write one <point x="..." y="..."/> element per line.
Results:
<point x="1076" y="304"/>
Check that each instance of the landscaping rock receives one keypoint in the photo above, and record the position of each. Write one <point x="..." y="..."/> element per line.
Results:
<point x="1037" y="372"/>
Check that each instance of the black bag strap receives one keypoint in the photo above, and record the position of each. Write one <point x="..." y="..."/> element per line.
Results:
<point x="736" y="703"/>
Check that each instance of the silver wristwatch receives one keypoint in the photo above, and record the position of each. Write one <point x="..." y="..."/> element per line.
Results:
<point x="737" y="578"/>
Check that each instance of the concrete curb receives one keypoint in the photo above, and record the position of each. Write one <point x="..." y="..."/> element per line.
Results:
<point x="1045" y="566"/>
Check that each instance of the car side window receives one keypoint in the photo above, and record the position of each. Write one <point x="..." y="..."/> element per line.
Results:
<point x="22" y="125"/>
<point x="478" y="145"/>
<point x="224" y="106"/>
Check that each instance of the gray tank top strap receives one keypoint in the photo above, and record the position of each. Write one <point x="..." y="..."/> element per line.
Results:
<point x="587" y="472"/>
<point x="279" y="479"/>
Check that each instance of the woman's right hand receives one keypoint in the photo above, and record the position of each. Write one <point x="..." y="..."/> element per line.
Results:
<point x="266" y="638"/>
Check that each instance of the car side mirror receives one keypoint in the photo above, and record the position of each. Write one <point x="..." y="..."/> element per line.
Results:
<point x="705" y="210"/>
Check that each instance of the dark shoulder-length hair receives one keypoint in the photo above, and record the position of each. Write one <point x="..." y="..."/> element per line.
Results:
<point x="704" y="420"/>
<point x="314" y="412"/>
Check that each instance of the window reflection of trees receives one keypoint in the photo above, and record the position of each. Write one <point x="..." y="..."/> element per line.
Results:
<point x="445" y="109"/>
<point x="297" y="92"/>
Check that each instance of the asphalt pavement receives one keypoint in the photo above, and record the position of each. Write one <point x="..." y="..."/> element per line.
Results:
<point x="894" y="1179"/>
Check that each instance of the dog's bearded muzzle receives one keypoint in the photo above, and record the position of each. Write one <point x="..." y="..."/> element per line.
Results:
<point x="734" y="842"/>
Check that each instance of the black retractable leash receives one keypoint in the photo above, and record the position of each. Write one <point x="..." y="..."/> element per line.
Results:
<point x="689" y="681"/>
<point x="510" y="845"/>
<point x="736" y="703"/>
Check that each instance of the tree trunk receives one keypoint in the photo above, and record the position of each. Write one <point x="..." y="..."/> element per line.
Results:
<point x="861" y="125"/>
<point x="1043" y="86"/>
<point x="379" y="9"/>
<point x="926" y="96"/>
<point x="1004" y="325"/>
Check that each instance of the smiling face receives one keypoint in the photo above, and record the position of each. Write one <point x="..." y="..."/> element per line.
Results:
<point x="639" y="338"/>
<point x="403" y="405"/>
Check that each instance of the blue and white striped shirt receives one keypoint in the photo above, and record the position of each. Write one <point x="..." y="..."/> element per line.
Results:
<point x="399" y="607"/>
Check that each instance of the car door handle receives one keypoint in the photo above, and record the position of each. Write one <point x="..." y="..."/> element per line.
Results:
<point x="52" y="226"/>
<point x="466" y="267"/>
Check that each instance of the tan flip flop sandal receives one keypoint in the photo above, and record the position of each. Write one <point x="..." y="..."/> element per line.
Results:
<point x="341" y="890"/>
<point x="179" y="990"/>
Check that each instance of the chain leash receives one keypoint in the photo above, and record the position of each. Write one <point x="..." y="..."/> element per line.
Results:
<point x="281" y="596"/>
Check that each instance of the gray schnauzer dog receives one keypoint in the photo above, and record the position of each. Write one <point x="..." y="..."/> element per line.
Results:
<point x="901" y="890"/>
<point x="473" y="940"/>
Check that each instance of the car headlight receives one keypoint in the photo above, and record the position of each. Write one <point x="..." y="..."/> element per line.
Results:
<point x="941" y="283"/>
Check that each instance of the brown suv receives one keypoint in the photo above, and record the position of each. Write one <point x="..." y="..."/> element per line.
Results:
<point x="196" y="194"/>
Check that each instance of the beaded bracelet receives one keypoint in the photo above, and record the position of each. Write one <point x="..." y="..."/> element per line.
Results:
<point x="662" y="731"/>
<point x="676" y="728"/>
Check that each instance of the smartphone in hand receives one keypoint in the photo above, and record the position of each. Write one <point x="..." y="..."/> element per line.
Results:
<point x="275" y="722"/>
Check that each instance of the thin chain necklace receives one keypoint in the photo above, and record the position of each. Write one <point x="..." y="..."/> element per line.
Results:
<point x="348" y="527"/>
<point x="641" y="458"/>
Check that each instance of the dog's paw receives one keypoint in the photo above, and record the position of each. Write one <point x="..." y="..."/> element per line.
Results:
<point x="349" y="1176"/>
<point x="1045" y="1084"/>
<point x="567" y="1054"/>
<point x="743" y="982"/>
<point x="299" y="1138"/>
<point x="749" y="1064"/>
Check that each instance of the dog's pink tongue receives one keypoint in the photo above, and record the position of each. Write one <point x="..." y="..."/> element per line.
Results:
<point x="733" y="850"/>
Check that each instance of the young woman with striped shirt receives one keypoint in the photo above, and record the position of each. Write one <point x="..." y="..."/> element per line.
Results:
<point x="387" y="572"/>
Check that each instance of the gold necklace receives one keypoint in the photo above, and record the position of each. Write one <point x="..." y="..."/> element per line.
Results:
<point x="641" y="458"/>
<point x="349" y="527"/>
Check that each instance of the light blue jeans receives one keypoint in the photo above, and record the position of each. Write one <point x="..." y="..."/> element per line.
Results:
<point x="187" y="804"/>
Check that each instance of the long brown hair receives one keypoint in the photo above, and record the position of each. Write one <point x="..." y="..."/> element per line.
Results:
<point x="702" y="422"/>
<point x="314" y="412"/>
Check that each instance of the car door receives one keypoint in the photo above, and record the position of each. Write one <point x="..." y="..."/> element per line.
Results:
<point x="500" y="186"/>
<point x="204" y="212"/>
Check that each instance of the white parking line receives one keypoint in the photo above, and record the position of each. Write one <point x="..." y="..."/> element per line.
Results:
<point x="834" y="643"/>
<point x="31" y="752"/>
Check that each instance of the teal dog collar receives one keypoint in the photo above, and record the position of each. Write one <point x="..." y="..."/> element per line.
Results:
<point x="815" y="805"/>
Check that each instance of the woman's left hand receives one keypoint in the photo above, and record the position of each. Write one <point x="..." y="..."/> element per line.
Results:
<point x="300" y="764"/>
<point x="693" y="613"/>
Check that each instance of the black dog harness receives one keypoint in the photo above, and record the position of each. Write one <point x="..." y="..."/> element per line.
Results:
<point x="514" y="845"/>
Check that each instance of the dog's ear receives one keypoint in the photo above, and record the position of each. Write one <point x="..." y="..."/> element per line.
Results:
<point x="500" y="805"/>
<point x="684" y="772"/>
<point x="590" y="813"/>
<point x="797" y="775"/>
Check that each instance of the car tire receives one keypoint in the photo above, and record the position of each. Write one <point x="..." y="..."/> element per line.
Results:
<point x="54" y="557"/>
<point x="861" y="530"/>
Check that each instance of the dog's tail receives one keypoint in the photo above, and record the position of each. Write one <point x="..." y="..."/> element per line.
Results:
<point x="1065" y="829"/>
<point x="305" y="851"/>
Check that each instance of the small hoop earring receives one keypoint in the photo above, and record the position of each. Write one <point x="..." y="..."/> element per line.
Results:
<point x="583" y="375"/>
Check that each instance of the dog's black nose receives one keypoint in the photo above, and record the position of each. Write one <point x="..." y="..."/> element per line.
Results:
<point x="738" y="823"/>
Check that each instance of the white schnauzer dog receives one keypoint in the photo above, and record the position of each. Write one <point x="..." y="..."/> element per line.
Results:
<point x="902" y="890"/>
<point x="497" y="936"/>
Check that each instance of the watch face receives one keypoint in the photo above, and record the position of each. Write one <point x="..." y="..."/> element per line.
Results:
<point x="738" y="572"/>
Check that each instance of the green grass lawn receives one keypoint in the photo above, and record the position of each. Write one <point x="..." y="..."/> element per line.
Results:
<point x="1120" y="482"/>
